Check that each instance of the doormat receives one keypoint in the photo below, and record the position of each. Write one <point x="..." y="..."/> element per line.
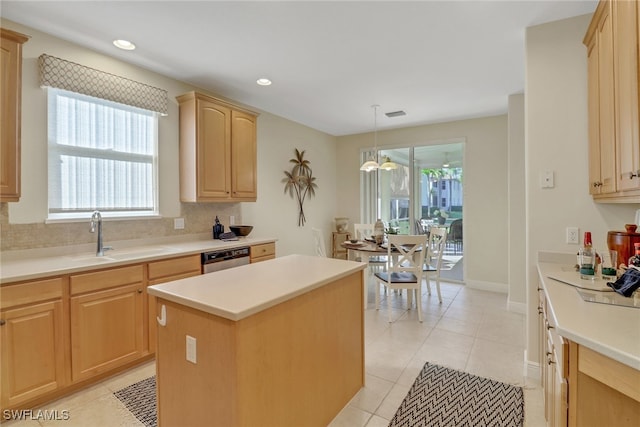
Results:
<point x="140" y="400"/>
<point x="445" y="397"/>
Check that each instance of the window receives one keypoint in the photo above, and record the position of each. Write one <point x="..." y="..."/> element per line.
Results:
<point x="102" y="155"/>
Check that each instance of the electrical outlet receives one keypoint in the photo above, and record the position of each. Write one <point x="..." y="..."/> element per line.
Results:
<point x="191" y="349"/>
<point x="178" y="223"/>
<point x="573" y="235"/>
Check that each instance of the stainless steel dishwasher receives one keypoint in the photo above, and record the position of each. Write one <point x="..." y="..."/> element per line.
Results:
<point x="223" y="259"/>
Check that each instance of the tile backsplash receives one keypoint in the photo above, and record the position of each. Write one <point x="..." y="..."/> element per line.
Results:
<point x="198" y="217"/>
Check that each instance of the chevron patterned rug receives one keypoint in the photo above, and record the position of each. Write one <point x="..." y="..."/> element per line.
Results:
<point x="446" y="397"/>
<point x="140" y="400"/>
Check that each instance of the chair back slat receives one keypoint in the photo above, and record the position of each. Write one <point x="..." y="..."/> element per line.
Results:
<point x="409" y="256"/>
<point x="436" y="246"/>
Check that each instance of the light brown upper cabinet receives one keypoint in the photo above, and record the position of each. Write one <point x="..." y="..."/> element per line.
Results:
<point x="218" y="155"/>
<point x="614" y="143"/>
<point x="10" y="109"/>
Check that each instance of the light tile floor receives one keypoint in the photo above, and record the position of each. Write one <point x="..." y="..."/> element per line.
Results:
<point x="471" y="331"/>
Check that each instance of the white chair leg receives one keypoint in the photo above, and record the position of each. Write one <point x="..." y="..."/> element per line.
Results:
<point x="389" y="309"/>
<point x="438" y="288"/>
<point x="377" y="295"/>
<point x="428" y="284"/>
<point x="419" y="304"/>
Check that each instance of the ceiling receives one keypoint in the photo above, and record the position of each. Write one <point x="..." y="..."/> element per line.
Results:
<point x="329" y="61"/>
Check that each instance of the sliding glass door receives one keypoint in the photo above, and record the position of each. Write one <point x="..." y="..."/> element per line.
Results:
<point x="426" y="185"/>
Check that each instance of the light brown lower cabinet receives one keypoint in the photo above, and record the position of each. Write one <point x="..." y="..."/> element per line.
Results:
<point x="32" y="339"/>
<point x="603" y="391"/>
<point x="32" y="357"/>
<point x="263" y="252"/>
<point x="554" y="361"/>
<point x="106" y="330"/>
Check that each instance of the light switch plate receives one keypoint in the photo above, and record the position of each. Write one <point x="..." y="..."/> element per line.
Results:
<point x="191" y="349"/>
<point x="546" y="179"/>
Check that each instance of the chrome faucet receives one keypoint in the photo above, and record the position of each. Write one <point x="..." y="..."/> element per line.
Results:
<point x="96" y="218"/>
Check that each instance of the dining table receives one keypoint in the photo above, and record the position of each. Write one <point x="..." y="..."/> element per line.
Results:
<point x="365" y="250"/>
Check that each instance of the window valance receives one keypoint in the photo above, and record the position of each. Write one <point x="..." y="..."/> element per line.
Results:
<point x="62" y="74"/>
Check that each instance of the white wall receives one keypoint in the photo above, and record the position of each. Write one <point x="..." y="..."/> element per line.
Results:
<point x="516" y="252"/>
<point x="273" y="215"/>
<point x="484" y="187"/>
<point x="556" y="139"/>
<point x="276" y="212"/>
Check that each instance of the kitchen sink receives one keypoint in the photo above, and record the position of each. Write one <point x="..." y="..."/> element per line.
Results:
<point x="134" y="253"/>
<point x="121" y="254"/>
<point x="88" y="258"/>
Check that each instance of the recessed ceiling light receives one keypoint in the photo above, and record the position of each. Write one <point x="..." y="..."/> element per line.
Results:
<point x="124" y="44"/>
<point x="263" y="82"/>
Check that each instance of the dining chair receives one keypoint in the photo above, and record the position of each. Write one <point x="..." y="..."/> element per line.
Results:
<point x="363" y="232"/>
<point x="405" y="257"/>
<point x="436" y="246"/>
<point x="422" y="227"/>
<point x="318" y="240"/>
<point x="455" y="235"/>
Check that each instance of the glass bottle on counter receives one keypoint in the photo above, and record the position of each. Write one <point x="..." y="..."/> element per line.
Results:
<point x="587" y="258"/>
<point x="635" y="259"/>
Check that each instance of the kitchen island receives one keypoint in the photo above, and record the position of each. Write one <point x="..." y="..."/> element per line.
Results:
<point x="278" y="343"/>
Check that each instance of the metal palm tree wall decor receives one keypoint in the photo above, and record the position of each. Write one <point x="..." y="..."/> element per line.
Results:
<point x="301" y="182"/>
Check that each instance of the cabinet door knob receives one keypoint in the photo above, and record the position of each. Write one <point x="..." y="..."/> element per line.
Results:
<point x="632" y="175"/>
<point x="2" y="322"/>
<point x="139" y="291"/>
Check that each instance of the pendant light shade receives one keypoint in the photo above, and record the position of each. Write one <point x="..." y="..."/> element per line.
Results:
<point x="388" y="164"/>
<point x="369" y="165"/>
<point x="372" y="164"/>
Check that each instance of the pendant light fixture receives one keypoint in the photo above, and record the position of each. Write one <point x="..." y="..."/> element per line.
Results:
<point x="388" y="164"/>
<point x="446" y="160"/>
<point x="372" y="164"/>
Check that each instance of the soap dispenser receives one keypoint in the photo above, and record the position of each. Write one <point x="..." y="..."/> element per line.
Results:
<point x="218" y="228"/>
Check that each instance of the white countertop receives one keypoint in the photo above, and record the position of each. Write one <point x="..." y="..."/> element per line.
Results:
<point x="37" y="263"/>
<point x="611" y="330"/>
<point x="242" y="291"/>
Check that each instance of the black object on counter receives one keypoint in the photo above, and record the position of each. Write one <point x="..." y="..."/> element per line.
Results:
<point x="218" y="229"/>
<point x="627" y="283"/>
<point x="241" y="230"/>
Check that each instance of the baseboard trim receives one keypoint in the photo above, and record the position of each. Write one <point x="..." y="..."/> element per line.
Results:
<point x="502" y="288"/>
<point x="517" y="307"/>
<point x="533" y="371"/>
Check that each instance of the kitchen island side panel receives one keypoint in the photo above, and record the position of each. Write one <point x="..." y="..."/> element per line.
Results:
<point x="197" y="394"/>
<point x="296" y="363"/>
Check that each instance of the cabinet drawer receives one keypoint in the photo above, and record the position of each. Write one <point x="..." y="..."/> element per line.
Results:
<point x="183" y="266"/>
<point x="31" y="292"/>
<point x="81" y="283"/>
<point x="263" y="250"/>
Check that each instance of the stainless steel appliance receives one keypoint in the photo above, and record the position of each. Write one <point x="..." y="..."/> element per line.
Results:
<point x="223" y="259"/>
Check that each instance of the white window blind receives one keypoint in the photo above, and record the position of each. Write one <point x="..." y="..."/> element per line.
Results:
<point x="102" y="155"/>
